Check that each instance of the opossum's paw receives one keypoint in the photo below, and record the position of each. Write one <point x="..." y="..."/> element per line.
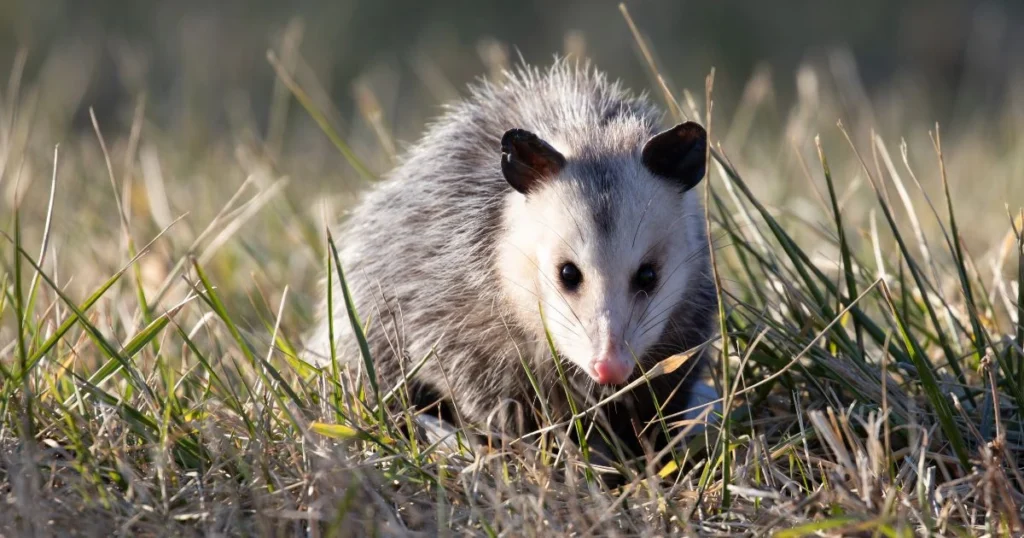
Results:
<point x="439" y="431"/>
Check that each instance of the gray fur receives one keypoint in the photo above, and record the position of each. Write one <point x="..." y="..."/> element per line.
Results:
<point x="419" y="250"/>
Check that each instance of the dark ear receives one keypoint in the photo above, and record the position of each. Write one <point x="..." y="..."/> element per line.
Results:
<point x="678" y="154"/>
<point x="526" y="160"/>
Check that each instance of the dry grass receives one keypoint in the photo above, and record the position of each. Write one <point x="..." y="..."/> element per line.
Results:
<point x="154" y="293"/>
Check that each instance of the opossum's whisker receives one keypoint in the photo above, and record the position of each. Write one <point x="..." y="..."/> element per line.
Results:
<point x="673" y="348"/>
<point x="655" y="322"/>
<point x="541" y="299"/>
<point x="651" y="304"/>
<point x="678" y="301"/>
<point x="632" y="310"/>
<point x="568" y="327"/>
<point x="668" y="309"/>
<point x="690" y="256"/>
<point x="665" y="313"/>
<point x="571" y="309"/>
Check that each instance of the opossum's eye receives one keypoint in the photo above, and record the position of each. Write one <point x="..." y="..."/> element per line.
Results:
<point x="678" y="154"/>
<point x="526" y="160"/>
<point x="646" y="278"/>
<point x="570" y="276"/>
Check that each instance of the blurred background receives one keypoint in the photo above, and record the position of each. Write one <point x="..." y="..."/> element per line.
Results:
<point x="194" y="57"/>
<point x="191" y="108"/>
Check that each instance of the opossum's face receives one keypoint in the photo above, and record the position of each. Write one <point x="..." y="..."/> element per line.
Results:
<point x="603" y="244"/>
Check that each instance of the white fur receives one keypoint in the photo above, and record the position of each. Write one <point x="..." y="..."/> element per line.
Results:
<point x="555" y="224"/>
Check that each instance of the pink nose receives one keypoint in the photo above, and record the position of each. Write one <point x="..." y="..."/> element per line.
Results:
<point x="612" y="371"/>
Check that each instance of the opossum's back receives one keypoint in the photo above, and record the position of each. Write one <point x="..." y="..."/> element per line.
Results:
<point x="421" y="226"/>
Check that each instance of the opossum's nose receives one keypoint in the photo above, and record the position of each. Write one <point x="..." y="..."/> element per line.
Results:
<point x="612" y="371"/>
<point x="612" y="366"/>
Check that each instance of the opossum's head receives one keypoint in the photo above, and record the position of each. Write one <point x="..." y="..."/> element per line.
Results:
<point x="604" y="239"/>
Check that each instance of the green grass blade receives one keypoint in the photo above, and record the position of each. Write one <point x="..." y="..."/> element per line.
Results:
<point x="929" y="383"/>
<point x="26" y="424"/>
<point x="130" y="349"/>
<point x="844" y="246"/>
<point x="319" y="118"/>
<point x="578" y="423"/>
<point x="979" y="337"/>
<point x="357" y="327"/>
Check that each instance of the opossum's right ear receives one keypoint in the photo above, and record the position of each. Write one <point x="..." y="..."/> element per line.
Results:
<point x="678" y="154"/>
<point x="526" y="160"/>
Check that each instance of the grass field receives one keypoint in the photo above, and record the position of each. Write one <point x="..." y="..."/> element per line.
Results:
<point x="155" y="286"/>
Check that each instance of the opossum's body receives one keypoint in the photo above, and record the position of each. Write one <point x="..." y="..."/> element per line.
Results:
<point x="460" y="247"/>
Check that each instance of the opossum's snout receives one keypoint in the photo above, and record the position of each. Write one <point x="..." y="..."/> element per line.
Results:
<point x="612" y="362"/>
<point x="612" y="369"/>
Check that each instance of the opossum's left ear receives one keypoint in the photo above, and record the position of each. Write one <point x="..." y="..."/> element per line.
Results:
<point x="678" y="154"/>
<point x="526" y="160"/>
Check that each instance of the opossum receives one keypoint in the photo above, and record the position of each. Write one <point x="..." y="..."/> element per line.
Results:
<point x="545" y="203"/>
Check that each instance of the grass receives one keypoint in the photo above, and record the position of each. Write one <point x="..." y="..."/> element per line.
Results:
<point x="153" y="298"/>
